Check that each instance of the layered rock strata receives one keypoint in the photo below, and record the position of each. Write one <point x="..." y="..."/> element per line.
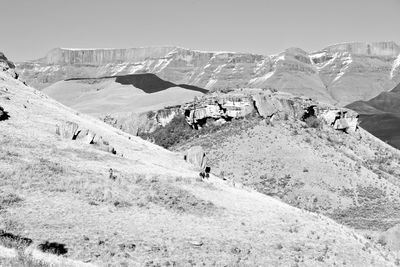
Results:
<point x="339" y="74"/>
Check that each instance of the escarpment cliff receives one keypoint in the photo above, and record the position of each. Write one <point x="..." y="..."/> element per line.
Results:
<point x="95" y="57"/>
<point x="338" y="74"/>
<point x="380" y="49"/>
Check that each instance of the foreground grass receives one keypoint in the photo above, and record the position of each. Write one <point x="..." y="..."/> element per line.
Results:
<point x="349" y="177"/>
<point x="22" y="260"/>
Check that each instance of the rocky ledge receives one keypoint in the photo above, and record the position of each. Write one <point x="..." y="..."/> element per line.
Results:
<point x="7" y="66"/>
<point x="219" y="108"/>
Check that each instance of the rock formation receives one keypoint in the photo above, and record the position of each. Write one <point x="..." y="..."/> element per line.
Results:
<point x="218" y="106"/>
<point x="341" y="119"/>
<point x="340" y="73"/>
<point x="197" y="157"/>
<point x="267" y="104"/>
<point x="146" y="122"/>
<point x="97" y="57"/>
<point x="7" y="66"/>
<point x="72" y="131"/>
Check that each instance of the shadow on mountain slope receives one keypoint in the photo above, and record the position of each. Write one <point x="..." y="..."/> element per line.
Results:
<point x="148" y="82"/>
<point x="381" y="116"/>
<point x="385" y="126"/>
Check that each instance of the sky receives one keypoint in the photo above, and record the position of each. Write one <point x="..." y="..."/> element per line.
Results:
<point x="30" y="28"/>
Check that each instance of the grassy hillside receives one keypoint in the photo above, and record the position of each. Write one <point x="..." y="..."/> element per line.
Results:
<point x="151" y="211"/>
<point x="136" y="93"/>
<point x="353" y="178"/>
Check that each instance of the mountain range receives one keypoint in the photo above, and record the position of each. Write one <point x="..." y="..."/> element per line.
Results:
<point x="110" y="198"/>
<point x="338" y="74"/>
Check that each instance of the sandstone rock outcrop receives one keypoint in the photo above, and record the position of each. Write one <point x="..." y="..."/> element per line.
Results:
<point x="266" y="104"/>
<point x="197" y="157"/>
<point x="278" y="105"/>
<point x="341" y="119"/>
<point x="340" y="73"/>
<point x="97" y="57"/>
<point x="7" y="66"/>
<point x="384" y="49"/>
<point x="72" y="131"/>
<point x="216" y="106"/>
<point x="147" y="122"/>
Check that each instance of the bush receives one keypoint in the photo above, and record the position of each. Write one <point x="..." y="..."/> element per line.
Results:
<point x="176" y="131"/>
<point x="313" y="122"/>
<point x="9" y="199"/>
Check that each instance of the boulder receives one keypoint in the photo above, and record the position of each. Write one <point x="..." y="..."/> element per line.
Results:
<point x="264" y="106"/>
<point x="216" y="107"/>
<point x="341" y="119"/>
<point x="197" y="157"/>
<point x="72" y="131"/>
<point x="68" y="130"/>
<point x="90" y="137"/>
<point x="7" y="66"/>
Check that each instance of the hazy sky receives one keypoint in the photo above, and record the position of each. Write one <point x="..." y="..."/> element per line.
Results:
<point x="32" y="27"/>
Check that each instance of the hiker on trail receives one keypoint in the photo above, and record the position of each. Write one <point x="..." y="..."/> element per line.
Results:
<point x="196" y="156"/>
<point x="111" y="174"/>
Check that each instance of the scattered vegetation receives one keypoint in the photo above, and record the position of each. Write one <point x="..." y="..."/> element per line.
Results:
<point x="177" y="199"/>
<point x="10" y="240"/>
<point x="9" y="199"/>
<point x="273" y="186"/>
<point x="178" y="130"/>
<point x="313" y="122"/>
<point x="378" y="215"/>
<point x="22" y="260"/>
<point x="53" y="248"/>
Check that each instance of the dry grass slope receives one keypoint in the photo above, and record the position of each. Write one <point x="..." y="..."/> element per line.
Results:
<point x="153" y="211"/>
<point x="351" y="178"/>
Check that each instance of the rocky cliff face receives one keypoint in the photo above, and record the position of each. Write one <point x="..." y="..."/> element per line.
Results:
<point x="337" y="74"/>
<point x="146" y="122"/>
<point x="96" y="57"/>
<point x="220" y="108"/>
<point x="380" y="49"/>
<point x="7" y="66"/>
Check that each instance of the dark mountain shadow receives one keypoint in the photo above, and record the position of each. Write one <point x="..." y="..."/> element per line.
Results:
<point x="3" y="114"/>
<point x="385" y="126"/>
<point x="381" y="116"/>
<point x="148" y="82"/>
